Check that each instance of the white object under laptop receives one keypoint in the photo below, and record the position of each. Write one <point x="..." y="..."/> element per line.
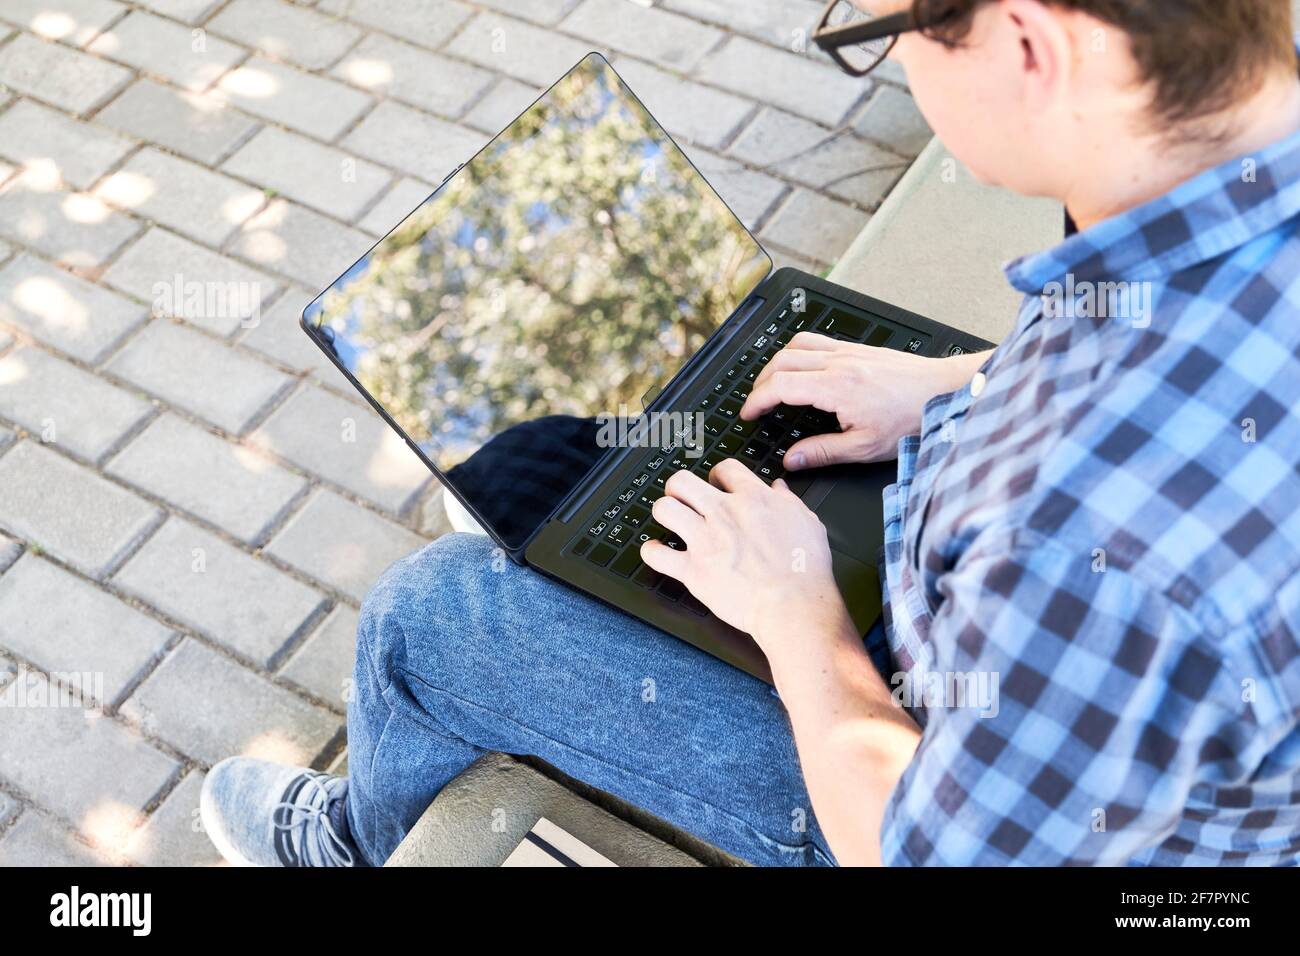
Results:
<point x="547" y="845"/>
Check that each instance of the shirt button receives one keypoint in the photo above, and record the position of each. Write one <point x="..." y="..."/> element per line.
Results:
<point x="977" y="385"/>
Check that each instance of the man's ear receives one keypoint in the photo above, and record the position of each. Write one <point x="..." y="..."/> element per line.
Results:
<point x="1045" y="49"/>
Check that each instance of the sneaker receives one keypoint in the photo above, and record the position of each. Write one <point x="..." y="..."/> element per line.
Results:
<point x="259" y="813"/>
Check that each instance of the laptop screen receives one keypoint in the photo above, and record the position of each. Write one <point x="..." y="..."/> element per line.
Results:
<point x="569" y="268"/>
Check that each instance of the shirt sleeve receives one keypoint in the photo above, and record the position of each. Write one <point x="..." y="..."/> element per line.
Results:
<point x="1069" y="713"/>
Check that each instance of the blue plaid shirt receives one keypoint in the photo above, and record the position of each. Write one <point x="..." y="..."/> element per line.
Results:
<point x="1092" y="553"/>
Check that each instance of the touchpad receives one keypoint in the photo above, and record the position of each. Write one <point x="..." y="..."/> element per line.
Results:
<point x="853" y="511"/>
<point x="859" y="585"/>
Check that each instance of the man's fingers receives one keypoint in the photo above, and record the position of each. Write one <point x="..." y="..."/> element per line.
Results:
<point x="693" y="490"/>
<point x="788" y="388"/>
<point x="732" y="475"/>
<point x="793" y="360"/>
<point x="664" y="559"/>
<point x="814" y="342"/>
<point x="835" y="448"/>
<point x="677" y="518"/>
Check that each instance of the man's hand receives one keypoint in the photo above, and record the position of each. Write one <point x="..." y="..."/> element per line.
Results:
<point x="877" y="394"/>
<point x="755" y="555"/>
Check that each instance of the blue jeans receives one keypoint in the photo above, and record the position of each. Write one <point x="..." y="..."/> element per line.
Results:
<point x="461" y="652"/>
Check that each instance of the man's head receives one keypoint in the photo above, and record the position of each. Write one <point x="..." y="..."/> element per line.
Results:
<point x="1027" y="92"/>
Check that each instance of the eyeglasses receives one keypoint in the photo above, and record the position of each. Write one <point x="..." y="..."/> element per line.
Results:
<point x="858" y="41"/>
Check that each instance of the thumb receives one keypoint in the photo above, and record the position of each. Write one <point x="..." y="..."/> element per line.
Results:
<point x="818" y="451"/>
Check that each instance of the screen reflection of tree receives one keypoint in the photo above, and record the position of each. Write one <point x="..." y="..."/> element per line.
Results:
<point x="567" y="270"/>
<point x="515" y="480"/>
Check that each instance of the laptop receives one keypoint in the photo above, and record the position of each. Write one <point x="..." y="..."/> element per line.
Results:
<point x="573" y="316"/>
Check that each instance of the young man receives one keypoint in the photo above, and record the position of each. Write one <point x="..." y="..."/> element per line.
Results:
<point x="1101" y="516"/>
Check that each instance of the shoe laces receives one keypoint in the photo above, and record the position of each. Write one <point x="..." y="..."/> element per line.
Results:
<point x="320" y="843"/>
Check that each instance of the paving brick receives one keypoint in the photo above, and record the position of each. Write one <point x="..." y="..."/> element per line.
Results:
<point x="891" y="117"/>
<point x="73" y="21"/>
<point x="302" y="244"/>
<point x="10" y="551"/>
<point x="416" y="143"/>
<point x="167" y="49"/>
<point x="192" y="124"/>
<point x="398" y="203"/>
<point x="36" y="840"/>
<point x="279" y="336"/>
<point x="194" y="373"/>
<point x="59" y="75"/>
<point x="750" y="194"/>
<point x="69" y="511"/>
<point x="342" y="544"/>
<point x="216" y="589"/>
<point x="8" y="808"/>
<point x="162" y="267"/>
<point x="211" y="708"/>
<point x="286" y="32"/>
<point x="63" y="311"/>
<point x="34" y="135"/>
<point x="64" y="405"/>
<point x="692" y="111"/>
<point x="646" y="31"/>
<point x="548" y="12"/>
<point x="325" y="178"/>
<point x="517" y="49"/>
<point x="798" y="83"/>
<point x="503" y="103"/>
<point x="64" y="625"/>
<point x="173" y="835"/>
<point x="812" y="225"/>
<point x="74" y="229"/>
<point x="223" y="483"/>
<point x="88" y="769"/>
<point x="163" y="188"/>
<point x="837" y="163"/>
<point x="346" y="443"/>
<point x="323" y="665"/>
<point x="188" y="11"/>
<point x="784" y="23"/>
<point x="426" y="22"/>
<point x="432" y="82"/>
<point x="310" y="104"/>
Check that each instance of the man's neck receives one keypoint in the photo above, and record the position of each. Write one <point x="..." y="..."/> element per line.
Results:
<point x="1124" y="179"/>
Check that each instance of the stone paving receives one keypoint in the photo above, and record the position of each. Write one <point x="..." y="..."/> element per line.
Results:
<point x="192" y="501"/>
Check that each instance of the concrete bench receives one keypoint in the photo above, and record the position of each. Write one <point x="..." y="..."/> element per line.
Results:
<point x="936" y="247"/>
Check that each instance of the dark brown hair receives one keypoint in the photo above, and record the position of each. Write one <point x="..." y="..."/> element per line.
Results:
<point x="1201" y="56"/>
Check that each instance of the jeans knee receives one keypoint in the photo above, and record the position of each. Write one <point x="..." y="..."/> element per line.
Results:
<point x="414" y="591"/>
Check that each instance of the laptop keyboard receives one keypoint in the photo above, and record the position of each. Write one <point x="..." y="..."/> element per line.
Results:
<point x="613" y="540"/>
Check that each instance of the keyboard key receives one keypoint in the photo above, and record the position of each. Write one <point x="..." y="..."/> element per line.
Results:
<point x="654" y="463"/>
<point x="755" y="451"/>
<point x="647" y="577"/>
<point x="715" y="426"/>
<point x="879" y="336"/>
<point x="844" y="323"/>
<point x="727" y="445"/>
<point x="628" y="495"/>
<point x="627" y="562"/>
<point x="768" y="473"/>
<point x="956" y="350"/>
<point x="601" y="554"/>
<point x="636" y="517"/>
<point x="690" y="602"/>
<point x="729" y="409"/>
<point x="672" y="589"/>
<point x="620" y="534"/>
<point x="915" y="344"/>
<point x="598" y="528"/>
<point x="582" y="547"/>
<point x="650" y="496"/>
<point x="641" y="479"/>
